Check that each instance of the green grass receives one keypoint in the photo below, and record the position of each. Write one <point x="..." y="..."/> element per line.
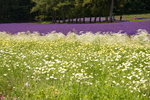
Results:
<point x="73" y="67"/>
<point x="140" y="20"/>
<point x="132" y="16"/>
<point x="44" y="22"/>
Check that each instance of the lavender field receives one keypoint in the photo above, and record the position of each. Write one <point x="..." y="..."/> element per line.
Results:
<point x="126" y="27"/>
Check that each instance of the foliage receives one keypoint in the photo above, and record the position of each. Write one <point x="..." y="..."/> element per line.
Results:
<point x="56" y="10"/>
<point x="69" y="9"/>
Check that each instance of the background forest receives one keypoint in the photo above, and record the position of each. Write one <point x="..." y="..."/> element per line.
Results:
<point x="56" y="10"/>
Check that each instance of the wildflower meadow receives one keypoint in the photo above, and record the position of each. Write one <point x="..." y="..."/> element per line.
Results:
<point x="74" y="67"/>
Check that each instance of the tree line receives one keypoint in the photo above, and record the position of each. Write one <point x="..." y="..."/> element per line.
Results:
<point x="72" y="10"/>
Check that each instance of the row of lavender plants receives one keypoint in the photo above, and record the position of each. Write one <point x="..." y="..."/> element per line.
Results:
<point x="126" y="27"/>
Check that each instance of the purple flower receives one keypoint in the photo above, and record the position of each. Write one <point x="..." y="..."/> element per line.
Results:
<point x="126" y="27"/>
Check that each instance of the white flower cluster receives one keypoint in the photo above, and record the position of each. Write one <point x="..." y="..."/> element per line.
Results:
<point x="93" y="60"/>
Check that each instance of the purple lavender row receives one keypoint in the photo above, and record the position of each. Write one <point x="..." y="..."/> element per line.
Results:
<point x="127" y="27"/>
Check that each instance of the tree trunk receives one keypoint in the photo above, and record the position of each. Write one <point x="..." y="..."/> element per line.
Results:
<point x="83" y="19"/>
<point x="71" y="20"/>
<point x="52" y="17"/>
<point x="63" y="15"/>
<point x="55" y="19"/>
<point x="90" y="19"/>
<point x="111" y="10"/>
<point x="114" y="18"/>
<point x="59" y="20"/>
<point x="76" y="19"/>
<point x="68" y="19"/>
<point x="106" y="18"/>
<point x="99" y="19"/>
<point x="120" y="17"/>
<point x="64" y="19"/>
<point x="95" y="19"/>
<point x="80" y="20"/>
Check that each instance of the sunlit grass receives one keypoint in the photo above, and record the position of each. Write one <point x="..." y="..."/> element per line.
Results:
<point x="140" y="20"/>
<point x="75" y="67"/>
<point x="132" y="16"/>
